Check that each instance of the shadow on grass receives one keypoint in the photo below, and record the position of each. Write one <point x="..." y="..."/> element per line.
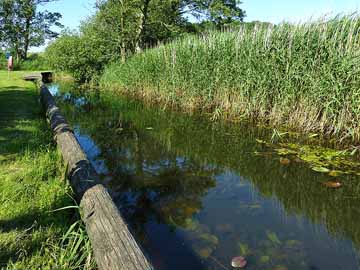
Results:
<point x="21" y="125"/>
<point x="23" y="129"/>
<point x="27" y="233"/>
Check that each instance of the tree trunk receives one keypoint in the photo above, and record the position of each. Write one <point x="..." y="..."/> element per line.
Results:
<point x="123" y="52"/>
<point x="143" y="20"/>
<point x="122" y="25"/>
<point x="26" y="38"/>
<point x="17" y="50"/>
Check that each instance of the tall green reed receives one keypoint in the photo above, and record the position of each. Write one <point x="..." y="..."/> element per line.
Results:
<point x="305" y="76"/>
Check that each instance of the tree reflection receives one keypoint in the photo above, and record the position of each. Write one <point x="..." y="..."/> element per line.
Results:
<point x="161" y="166"/>
<point x="147" y="181"/>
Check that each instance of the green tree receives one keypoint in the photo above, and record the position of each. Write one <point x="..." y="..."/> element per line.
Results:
<point x="136" y="23"/>
<point x="122" y="18"/>
<point x="23" y="26"/>
<point x="121" y="28"/>
<point x="219" y="12"/>
<point x="139" y="23"/>
<point x="82" y="55"/>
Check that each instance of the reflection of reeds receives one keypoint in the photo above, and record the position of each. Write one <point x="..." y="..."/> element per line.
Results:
<point x="296" y="188"/>
<point x="305" y="75"/>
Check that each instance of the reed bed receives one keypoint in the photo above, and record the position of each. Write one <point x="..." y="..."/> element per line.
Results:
<point x="305" y="76"/>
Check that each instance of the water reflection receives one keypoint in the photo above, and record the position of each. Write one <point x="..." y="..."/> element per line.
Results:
<point x="196" y="196"/>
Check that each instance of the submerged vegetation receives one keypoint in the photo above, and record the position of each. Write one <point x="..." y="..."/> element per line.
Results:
<point x="304" y="76"/>
<point x="33" y="235"/>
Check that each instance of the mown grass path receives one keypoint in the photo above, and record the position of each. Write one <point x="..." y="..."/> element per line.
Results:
<point x="32" y="186"/>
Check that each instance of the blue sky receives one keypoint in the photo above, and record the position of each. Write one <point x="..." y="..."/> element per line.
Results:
<point x="275" y="11"/>
<point x="264" y="10"/>
<point x="73" y="11"/>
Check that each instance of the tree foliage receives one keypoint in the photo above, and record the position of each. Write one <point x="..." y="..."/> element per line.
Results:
<point x="22" y="25"/>
<point x="218" y="12"/>
<point x="80" y="54"/>
<point x="121" y="28"/>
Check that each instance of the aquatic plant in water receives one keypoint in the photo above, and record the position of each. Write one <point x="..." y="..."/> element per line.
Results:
<point x="320" y="159"/>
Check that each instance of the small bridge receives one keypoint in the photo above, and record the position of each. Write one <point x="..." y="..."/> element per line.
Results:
<point x="45" y="76"/>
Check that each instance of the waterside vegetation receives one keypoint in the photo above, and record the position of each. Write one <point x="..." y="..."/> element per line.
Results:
<point x="304" y="76"/>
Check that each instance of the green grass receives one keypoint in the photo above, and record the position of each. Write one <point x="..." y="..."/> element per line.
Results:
<point x="35" y="61"/>
<point x="304" y="77"/>
<point x="33" y="185"/>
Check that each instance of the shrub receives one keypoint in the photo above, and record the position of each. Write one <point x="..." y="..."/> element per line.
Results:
<point x="35" y="61"/>
<point x="83" y="54"/>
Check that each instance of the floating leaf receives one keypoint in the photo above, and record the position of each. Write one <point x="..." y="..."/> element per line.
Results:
<point x="333" y="184"/>
<point x="264" y="259"/>
<point x="320" y="169"/>
<point x="202" y="250"/>
<point x="191" y="224"/>
<point x="285" y="151"/>
<point x="212" y="239"/>
<point x="244" y="249"/>
<point x="238" y="262"/>
<point x="205" y="252"/>
<point x="285" y="161"/>
<point x="335" y="173"/>
<point x="273" y="237"/>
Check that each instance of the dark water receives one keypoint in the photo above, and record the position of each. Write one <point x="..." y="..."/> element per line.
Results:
<point x="196" y="196"/>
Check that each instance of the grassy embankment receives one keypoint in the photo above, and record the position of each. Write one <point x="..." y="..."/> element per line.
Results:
<point x="304" y="77"/>
<point x="32" y="235"/>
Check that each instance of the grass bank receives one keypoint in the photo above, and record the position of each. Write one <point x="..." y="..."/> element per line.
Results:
<point x="32" y="235"/>
<point x="305" y="77"/>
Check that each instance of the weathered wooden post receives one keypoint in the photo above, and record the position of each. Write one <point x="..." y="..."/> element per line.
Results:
<point x="113" y="245"/>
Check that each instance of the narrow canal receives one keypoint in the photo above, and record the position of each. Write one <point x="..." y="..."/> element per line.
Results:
<point x="196" y="194"/>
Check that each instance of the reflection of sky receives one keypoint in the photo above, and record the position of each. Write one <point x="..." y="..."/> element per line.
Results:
<point x="276" y="11"/>
<point x="53" y="89"/>
<point x="92" y="151"/>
